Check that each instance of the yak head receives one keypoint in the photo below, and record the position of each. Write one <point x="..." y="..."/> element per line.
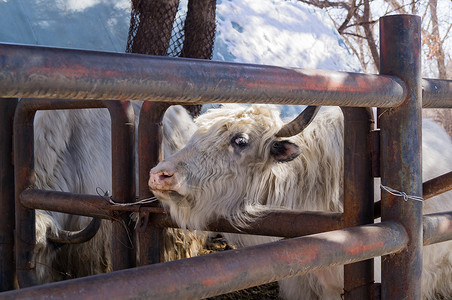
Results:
<point x="225" y="168"/>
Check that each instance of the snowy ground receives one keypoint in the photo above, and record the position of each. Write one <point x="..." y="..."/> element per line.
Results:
<point x="86" y="24"/>
<point x="276" y="32"/>
<point x="283" y="33"/>
<point x="272" y="32"/>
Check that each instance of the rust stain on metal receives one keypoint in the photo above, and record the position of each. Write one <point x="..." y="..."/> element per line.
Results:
<point x="365" y="247"/>
<point x="73" y="71"/>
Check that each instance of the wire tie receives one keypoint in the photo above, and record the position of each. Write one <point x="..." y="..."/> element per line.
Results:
<point x="107" y="197"/>
<point x="400" y="194"/>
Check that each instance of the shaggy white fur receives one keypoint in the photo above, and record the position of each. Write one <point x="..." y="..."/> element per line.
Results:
<point x="227" y="170"/>
<point x="73" y="154"/>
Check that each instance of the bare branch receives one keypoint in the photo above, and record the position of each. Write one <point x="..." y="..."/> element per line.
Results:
<point x="369" y="35"/>
<point x="326" y="4"/>
<point x="446" y="34"/>
<point x="438" y="51"/>
<point x="351" y="12"/>
<point x="363" y="23"/>
<point x="356" y="52"/>
<point x="413" y="7"/>
<point x="354" y="35"/>
<point x="424" y="14"/>
<point x="397" y="7"/>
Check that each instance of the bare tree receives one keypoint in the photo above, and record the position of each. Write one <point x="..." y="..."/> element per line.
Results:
<point x="436" y="53"/>
<point x="436" y="43"/>
<point x="355" y="20"/>
<point x="151" y="30"/>
<point x="151" y="24"/>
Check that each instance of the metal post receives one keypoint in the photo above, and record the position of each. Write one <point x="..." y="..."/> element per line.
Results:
<point x="358" y="196"/>
<point x="150" y="152"/>
<point x="400" y="41"/>
<point x="7" y="267"/>
<point x="123" y="181"/>
<point x="25" y="232"/>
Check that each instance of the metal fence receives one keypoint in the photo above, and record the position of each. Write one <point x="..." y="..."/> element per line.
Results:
<point x="95" y="79"/>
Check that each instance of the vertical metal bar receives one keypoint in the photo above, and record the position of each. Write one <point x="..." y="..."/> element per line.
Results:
<point x="358" y="195"/>
<point x="123" y="180"/>
<point x="25" y="234"/>
<point x="150" y="152"/>
<point x="400" y="41"/>
<point x="7" y="267"/>
<point x="23" y="143"/>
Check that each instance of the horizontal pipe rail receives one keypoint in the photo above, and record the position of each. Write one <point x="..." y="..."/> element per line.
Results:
<point x="289" y="223"/>
<point x="437" y="228"/>
<point x="436" y="93"/>
<point x="33" y="105"/>
<point x="437" y="186"/>
<point x="224" y="272"/>
<point x="78" y="204"/>
<point x="42" y="72"/>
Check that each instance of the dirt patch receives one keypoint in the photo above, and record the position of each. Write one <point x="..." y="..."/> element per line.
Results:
<point x="266" y="291"/>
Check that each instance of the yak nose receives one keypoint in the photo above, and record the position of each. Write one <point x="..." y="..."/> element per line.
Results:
<point x="161" y="179"/>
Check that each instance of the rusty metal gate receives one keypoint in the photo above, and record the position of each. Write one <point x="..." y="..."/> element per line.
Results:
<point x="96" y="79"/>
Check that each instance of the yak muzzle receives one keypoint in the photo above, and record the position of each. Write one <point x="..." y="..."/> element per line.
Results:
<point x="161" y="180"/>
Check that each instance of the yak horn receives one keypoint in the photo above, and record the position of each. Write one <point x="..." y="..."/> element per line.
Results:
<point x="76" y="237"/>
<point x="299" y="123"/>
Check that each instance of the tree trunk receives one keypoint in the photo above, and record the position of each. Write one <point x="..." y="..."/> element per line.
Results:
<point x="151" y="25"/>
<point x="199" y="29"/>
<point x="199" y="36"/>
<point x="436" y="37"/>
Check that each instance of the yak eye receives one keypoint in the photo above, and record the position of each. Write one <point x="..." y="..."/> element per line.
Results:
<point x="240" y="140"/>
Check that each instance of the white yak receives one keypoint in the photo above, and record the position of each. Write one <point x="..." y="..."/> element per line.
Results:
<point x="73" y="154"/>
<point x="235" y="166"/>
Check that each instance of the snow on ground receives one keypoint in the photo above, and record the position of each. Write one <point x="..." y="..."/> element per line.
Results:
<point x="272" y="32"/>
<point x="86" y="24"/>
<point x="278" y="32"/>
<point x="282" y="33"/>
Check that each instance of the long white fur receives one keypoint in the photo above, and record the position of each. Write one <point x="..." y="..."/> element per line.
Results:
<point x="73" y="153"/>
<point x="214" y="181"/>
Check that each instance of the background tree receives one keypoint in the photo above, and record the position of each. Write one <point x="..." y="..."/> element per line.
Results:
<point x="357" y="22"/>
<point x="152" y="31"/>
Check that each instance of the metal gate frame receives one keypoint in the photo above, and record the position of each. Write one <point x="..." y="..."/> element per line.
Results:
<point x="399" y="92"/>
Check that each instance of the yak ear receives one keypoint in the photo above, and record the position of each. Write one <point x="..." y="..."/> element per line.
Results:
<point x="283" y="151"/>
